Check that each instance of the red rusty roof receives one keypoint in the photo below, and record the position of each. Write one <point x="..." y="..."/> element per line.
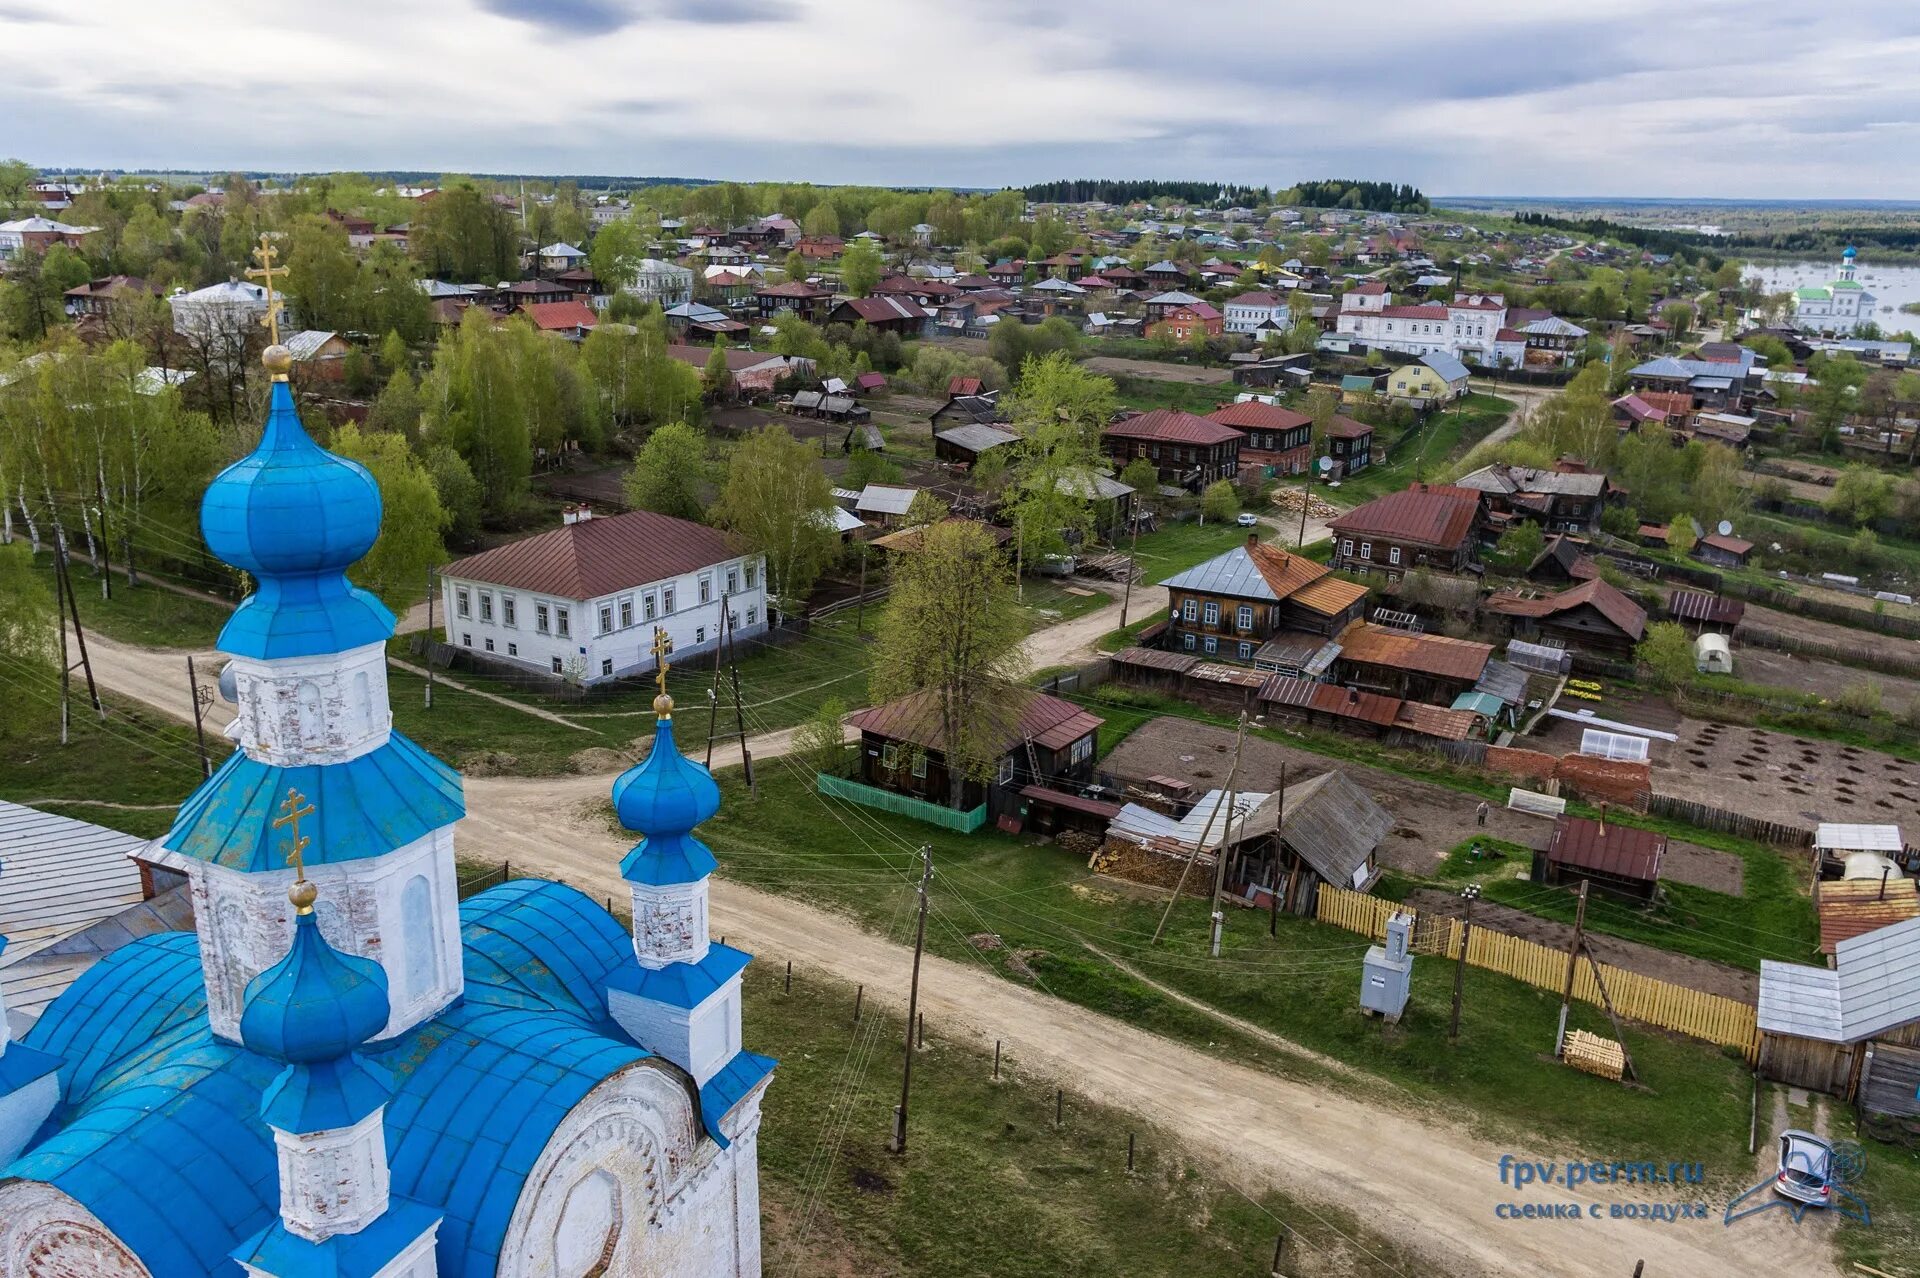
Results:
<point x="1256" y="415"/>
<point x="555" y="317"/>
<point x="1437" y="517"/>
<point x="597" y="557"/>
<point x="1171" y="426"/>
<point x="1618" y="850"/>
<point x="1047" y="721"/>
<point x="1371" y="645"/>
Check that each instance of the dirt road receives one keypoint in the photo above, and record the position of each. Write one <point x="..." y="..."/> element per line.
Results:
<point x="1433" y="1183"/>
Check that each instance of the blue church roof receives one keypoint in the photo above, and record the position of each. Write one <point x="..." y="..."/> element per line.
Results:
<point x="382" y="800"/>
<point x="295" y="516"/>
<point x="663" y="798"/>
<point x="158" y="1130"/>
<point x="316" y="1004"/>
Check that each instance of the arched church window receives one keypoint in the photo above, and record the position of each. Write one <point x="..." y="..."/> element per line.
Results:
<point x="416" y="921"/>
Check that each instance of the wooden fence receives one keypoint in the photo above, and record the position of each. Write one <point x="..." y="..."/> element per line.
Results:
<point x="1820" y="610"/>
<point x="1708" y="817"/>
<point x="1865" y="654"/>
<point x="1725" y="1021"/>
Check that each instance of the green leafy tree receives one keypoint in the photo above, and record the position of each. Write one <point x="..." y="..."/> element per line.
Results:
<point x="860" y="268"/>
<point x="144" y="240"/>
<point x="462" y="234"/>
<point x="26" y="610"/>
<point x="397" y="409"/>
<point x="395" y="354"/>
<point x="670" y="473"/>
<point x="475" y="403"/>
<point x="868" y="467"/>
<point x="1667" y="654"/>
<point x="459" y="493"/>
<point x="1219" y="500"/>
<point x="821" y="739"/>
<point x="1143" y="477"/>
<point x="321" y="274"/>
<point x="1862" y="495"/>
<point x="952" y="629"/>
<point x="822" y="219"/>
<point x="778" y="501"/>
<point x="617" y="250"/>
<point x="716" y="381"/>
<point x="411" y="520"/>
<point x="1519" y="546"/>
<point x="1680" y="534"/>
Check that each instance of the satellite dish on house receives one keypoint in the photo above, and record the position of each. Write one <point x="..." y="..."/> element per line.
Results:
<point x="1724" y="528"/>
<point x="1326" y="464"/>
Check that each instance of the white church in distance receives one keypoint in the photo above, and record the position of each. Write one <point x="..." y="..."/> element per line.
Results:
<point x="346" y="1071"/>
<point x="1842" y="307"/>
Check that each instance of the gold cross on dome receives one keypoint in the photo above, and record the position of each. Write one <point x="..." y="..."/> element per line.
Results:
<point x="662" y="645"/>
<point x="265" y="273"/>
<point x="295" y="807"/>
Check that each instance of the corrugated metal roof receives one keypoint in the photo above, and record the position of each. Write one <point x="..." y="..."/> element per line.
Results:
<point x="1854" y="907"/>
<point x="1330" y="596"/>
<point x="1154" y="659"/>
<point x="1840" y="836"/>
<point x="1503" y="680"/>
<point x="1026" y="716"/>
<point x="1433" y="721"/>
<point x="1874" y="986"/>
<point x="977" y="437"/>
<point x="883" y="499"/>
<point x="1372" y="645"/>
<point x="1620" y="850"/>
<point x="598" y="556"/>
<point x="1623" y="613"/>
<point x="1325" y="698"/>
<point x="58" y="875"/>
<point x="1698" y="605"/>
<point x="1171" y="426"/>
<point x="1254" y="571"/>
<point x="1425" y="517"/>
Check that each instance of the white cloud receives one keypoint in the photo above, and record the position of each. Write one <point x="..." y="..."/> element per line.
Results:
<point x="1481" y="96"/>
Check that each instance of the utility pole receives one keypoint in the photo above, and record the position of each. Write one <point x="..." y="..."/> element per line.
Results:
<point x="1133" y="554"/>
<point x="713" y="693"/>
<point x="1211" y="818"/>
<point x="201" y="698"/>
<point x="739" y="711"/>
<point x="899" y="1143"/>
<point x="1306" y="495"/>
<point x="67" y="607"/>
<point x="1218" y="917"/>
<point x="1573" y="957"/>
<point x="427" y="649"/>
<point x="1279" y="845"/>
<point x="1470" y="894"/>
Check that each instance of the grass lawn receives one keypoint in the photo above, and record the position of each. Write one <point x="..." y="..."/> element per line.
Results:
<point x="988" y="1185"/>
<point x="486" y="738"/>
<point x="1177" y="547"/>
<point x="1424" y="451"/>
<point x="1051" y="913"/>
<point x="1148" y="393"/>
<point x="138" y="758"/>
<point x="148" y="614"/>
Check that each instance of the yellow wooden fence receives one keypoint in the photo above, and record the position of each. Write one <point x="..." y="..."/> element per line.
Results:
<point x="1725" y="1021"/>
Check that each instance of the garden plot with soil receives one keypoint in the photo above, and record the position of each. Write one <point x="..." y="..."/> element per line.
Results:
<point x="1793" y="780"/>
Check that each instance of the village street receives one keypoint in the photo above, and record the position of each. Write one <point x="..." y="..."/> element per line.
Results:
<point x="1431" y="1182"/>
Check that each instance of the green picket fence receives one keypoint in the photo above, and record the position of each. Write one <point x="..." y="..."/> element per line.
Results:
<point x="902" y="805"/>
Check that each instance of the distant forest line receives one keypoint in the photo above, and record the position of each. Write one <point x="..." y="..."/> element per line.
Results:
<point x="1332" y="193"/>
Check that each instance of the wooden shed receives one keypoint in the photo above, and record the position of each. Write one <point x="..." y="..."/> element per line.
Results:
<point x="1616" y="858"/>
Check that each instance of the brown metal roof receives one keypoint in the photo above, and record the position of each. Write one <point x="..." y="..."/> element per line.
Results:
<point x="1047" y="721"/>
<point x="1433" y="517"/>
<point x="1347" y="428"/>
<point x="1325" y="698"/>
<point x="1434" y="721"/>
<point x="1618" y="850"/>
<point x="1329" y="596"/>
<point x="1154" y="659"/>
<point x="1852" y="907"/>
<point x="598" y="556"/>
<point x="1171" y="426"/>
<point x="1072" y="802"/>
<point x="1252" y="413"/>
<point x="1698" y="605"/>
<point x="1372" y="645"/>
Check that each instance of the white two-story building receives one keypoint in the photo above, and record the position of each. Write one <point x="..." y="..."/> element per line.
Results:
<point x="1471" y="327"/>
<point x="582" y="601"/>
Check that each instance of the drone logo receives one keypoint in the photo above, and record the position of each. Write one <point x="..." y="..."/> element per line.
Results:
<point x="1813" y="1173"/>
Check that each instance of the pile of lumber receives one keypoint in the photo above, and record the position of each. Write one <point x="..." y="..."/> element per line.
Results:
<point x="1288" y="499"/>
<point x="1596" y="1055"/>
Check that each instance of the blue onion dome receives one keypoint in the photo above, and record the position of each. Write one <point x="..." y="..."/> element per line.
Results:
<point x="316" y="1004"/>
<point x="663" y="799"/>
<point x="1850" y="252"/>
<point x="295" y="517"/>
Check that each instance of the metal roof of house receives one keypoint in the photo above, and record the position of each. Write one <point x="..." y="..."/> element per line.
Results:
<point x="1250" y="815"/>
<point x="598" y="556"/>
<point x="1854" y="907"/>
<point x="1371" y="645"/>
<point x="1622" y="851"/>
<point x="1170" y="425"/>
<point x="1325" y="698"/>
<point x="1503" y="680"/>
<point x="977" y="437"/>
<point x="1873" y="986"/>
<point x="1504" y="479"/>
<point x="1251" y="571"/>
<point x="58" y="875"/>
<point x="1698" y="605"/>
<point x="1155" y="659"/>
<point x="1445" y="365"/>
<point x="1427" y="517"/>
<point x="1554" y="326"/>
<point x="1027" y="716"/>
<point x="884" y="499"/>
<point x="1626" y="616"/>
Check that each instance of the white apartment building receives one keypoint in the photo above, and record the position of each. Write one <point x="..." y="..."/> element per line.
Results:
<point x="1247" y="312"/>
<point x="658" y="280"/>
<point x="583" y="600"/>
<point x="1472" y="327"/>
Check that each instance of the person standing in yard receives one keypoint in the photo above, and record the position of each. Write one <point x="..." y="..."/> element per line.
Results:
<point x="1480" y="813"/>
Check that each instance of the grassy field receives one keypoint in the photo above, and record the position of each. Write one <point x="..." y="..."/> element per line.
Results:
<point x="1050" y="914"/>
<point x="988" y="1185"/>
<point x="139" y="760"/>
<point x="148" y="614"/>
<point x="1425" y="451"/>
<point x="1148" y="393"/>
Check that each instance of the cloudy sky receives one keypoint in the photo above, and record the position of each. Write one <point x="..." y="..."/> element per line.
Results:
<point x="1760" y="98"/>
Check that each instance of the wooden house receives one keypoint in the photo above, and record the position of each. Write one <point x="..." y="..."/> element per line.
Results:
<point x="1424" y="525"/>
<point x="1350" y="444"/>
<point x="1723" y="551"/>
<point x="1592" y="617"/>
<point x="1849" y="1029"/>
<point x="1035" y="739"/>
<point x="1402" y="663"/>
<point x="1189" y="451"/>
<point x="1237" y="602"/>
<point x="1278" y="440"/>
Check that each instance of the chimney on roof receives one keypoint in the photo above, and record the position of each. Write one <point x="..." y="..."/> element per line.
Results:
<point x="1253" y="539"/>
<point x="1603" y="820"/>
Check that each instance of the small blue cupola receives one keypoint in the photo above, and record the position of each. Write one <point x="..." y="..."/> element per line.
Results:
<point x="681" y="999"/>
<point x="315" y="1010"/>
<point x="295" y="517"/>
